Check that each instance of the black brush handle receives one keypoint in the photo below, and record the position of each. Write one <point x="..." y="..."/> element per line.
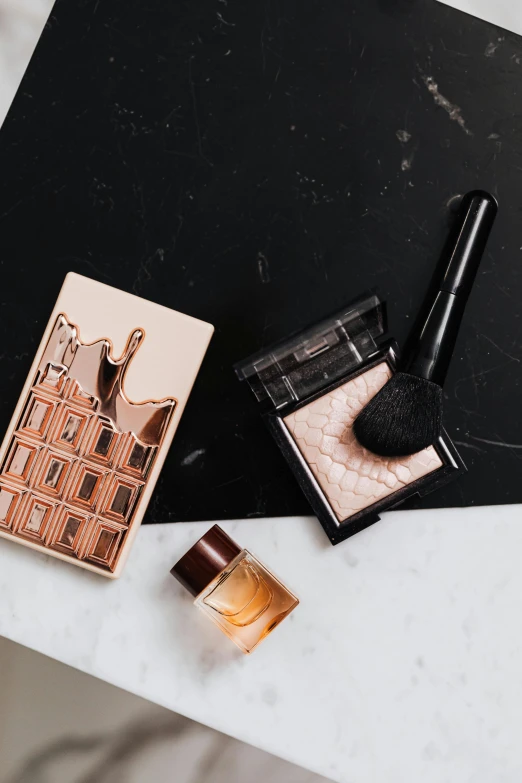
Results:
<point x="433" y="344"/>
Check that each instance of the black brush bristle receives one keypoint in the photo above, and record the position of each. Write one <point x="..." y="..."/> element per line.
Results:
<point x="403" y="418"/>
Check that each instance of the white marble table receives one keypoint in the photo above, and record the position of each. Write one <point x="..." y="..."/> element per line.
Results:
<point x="402" y="662"/>
<point x="504" y="13"/>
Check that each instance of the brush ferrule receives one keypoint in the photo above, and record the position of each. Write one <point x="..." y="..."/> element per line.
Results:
<point x="434" y="348"/>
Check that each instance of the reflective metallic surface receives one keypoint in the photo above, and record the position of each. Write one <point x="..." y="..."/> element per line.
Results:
<point x="100" y="377"/>
<point x="81" y="452"/>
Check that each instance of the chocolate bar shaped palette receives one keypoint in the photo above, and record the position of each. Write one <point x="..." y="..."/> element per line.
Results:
<point x="94" y="423"/>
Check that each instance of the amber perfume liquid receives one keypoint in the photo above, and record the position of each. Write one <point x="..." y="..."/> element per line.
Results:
<point x="246" y="601"/>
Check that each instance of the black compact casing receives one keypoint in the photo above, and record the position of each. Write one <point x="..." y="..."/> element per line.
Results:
<point x="309" y="365"/>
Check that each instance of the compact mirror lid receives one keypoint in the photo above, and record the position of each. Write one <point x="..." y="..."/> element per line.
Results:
<point x="302" y="365"/>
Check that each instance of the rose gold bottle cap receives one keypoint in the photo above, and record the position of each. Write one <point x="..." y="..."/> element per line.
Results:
<point x="205" y="560"/>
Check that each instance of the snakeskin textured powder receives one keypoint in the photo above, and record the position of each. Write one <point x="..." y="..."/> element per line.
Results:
<point x="351" y="477"/>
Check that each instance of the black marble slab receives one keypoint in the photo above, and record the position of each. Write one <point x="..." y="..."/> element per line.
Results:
<point x="258" y="165"/>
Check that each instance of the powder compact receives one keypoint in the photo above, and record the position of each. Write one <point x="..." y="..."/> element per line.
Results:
<point x="361" y="431"/>
<point x="312" y="388"/>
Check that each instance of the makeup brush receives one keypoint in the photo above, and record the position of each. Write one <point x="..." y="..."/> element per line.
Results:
<point x="405" y="416"/>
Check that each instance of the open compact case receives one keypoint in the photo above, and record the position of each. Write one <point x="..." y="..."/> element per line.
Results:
<point x="312" y="388"/>
<point x="361" y="431"/>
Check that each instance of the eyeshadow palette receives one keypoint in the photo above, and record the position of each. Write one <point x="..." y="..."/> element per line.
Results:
<point x="80" y="458"/>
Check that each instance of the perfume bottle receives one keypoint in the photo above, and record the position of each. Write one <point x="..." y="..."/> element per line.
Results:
<point x="234" y="589"/>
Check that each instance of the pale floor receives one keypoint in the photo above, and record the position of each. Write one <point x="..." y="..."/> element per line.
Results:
<point x="58" y="725"/>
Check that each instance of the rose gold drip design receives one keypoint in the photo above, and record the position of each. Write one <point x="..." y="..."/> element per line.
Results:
<point x="81" y="453"/>
<point x="351" y="477"/>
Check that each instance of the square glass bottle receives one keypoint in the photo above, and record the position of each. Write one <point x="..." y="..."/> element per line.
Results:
<point x="237" y="592"/>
